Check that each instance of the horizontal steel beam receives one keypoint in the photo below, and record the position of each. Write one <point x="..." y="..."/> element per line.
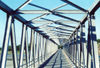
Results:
<point x="54" y="13"/>
<point x="74" y="5"/>
<point x="62" y="31"/>
<point x="55" y="37"/>
<point x="59" y="23"/>
<point x="10" y="11"/>
<point x="43" y="21"/>
<point x="46" y="12"/>
<point x="91" y="10"/>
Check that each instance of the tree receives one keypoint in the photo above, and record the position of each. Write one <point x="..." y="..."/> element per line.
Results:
<point x="98" y="40"/>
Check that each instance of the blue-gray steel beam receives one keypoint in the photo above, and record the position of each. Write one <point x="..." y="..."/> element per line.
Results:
<point x="22" y="46"/>
<point x="28" y="1"/>
<point x="32" y="48"/>
<point x="45" y="52"/>
<point x="73" y="48"/>
<point x="89" y="46"/>
<point x="83" y="45"/>
<point x="74" y="35"/>
<point x="5" y="42"/>
<point x="62" y="32"/>
<point x="94" y="43"/>
<point x="38" y="49"/>
<point x="26" y="48"/>
<point x="78" y="48"/>
<point x="81" y="53"/>
<point x="47" y="14"/>
<point x="64" y="29"/>
<point x="74" y="5"/>
<point x="54" y="13"/>
<point x="44" y="49"/>
<point x="92" y="49"/>
<point x="59" y="23"/>
<point x="91" y="10"/>
<point x="13" y="44"/>
<point x="41" y="47"/>
<point x="10" y="11"/>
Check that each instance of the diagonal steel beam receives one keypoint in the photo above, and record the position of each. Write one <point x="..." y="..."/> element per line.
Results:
<point x="62" y="32"/>
<point x="64" y="29"/>
<point x="28" y="1"/>
<point x="59" y="23"/>
<point x="47" y="13"/>
<point x="10" y="11"/>
<point x="54" y="13"/>
<point x="91" y="10"/>
<point x="74" y="5"/>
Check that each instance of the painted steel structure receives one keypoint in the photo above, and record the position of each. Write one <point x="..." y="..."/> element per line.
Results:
<point x="82" y="52"/>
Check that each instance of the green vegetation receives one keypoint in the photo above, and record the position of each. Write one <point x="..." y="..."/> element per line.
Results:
<point x="98" y="40"/>
<point x="60" y="47"/>
<point x="17" y="47"/>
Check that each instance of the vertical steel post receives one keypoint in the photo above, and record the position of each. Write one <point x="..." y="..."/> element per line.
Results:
<point x="26" y="48"/>
<point x="44" y="49"/>
<point x="38" y="49"/>
<point x="22" y="45"/>
<point x="41" y="48"/>
<point x="32" y="48"/>
<point x="78" y="48"/>
<point x="92" y="53"/>
<point x="75" y="42"/>
<point x="45" y="53"/>
<point x="5" y="42"/>
<point x="74" y="49"/>
<point x="83" y="46"/>
<point x="13" y="45"/>
<point x="94" y="43"/>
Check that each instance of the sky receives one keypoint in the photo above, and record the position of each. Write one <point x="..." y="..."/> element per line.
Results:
<point x="49" y="4"/>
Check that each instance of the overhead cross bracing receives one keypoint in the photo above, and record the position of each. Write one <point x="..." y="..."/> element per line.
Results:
<point x="65" y="22"/>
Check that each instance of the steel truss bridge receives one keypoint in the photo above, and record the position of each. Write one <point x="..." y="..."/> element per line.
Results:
<point x="42" y="49"/>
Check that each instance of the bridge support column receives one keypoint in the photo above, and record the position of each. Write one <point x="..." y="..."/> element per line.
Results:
<point x="26" y="48"/>
<point x="5" y="42"/>
<point x="92" y="52"/>
<point x="78" y="48"/>
<point x="83" y="49"/>
<point x="35" y="39"/>
<point x="22" y="46"/>
<point x="45" y="53"/>
<point x="74" y="49"/>
<point x="37" y="50"/>
<point x="32" y="49"/>
<point x="13" y="45"/>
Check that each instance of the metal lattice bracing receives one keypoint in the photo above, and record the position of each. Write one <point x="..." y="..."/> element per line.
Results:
<point x="67" y="26"/>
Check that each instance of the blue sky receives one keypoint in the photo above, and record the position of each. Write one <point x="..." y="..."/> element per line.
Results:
<point x="50" y="4"/>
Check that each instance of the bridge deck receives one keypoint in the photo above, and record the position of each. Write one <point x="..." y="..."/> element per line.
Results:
<point x="58" y="61"/>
